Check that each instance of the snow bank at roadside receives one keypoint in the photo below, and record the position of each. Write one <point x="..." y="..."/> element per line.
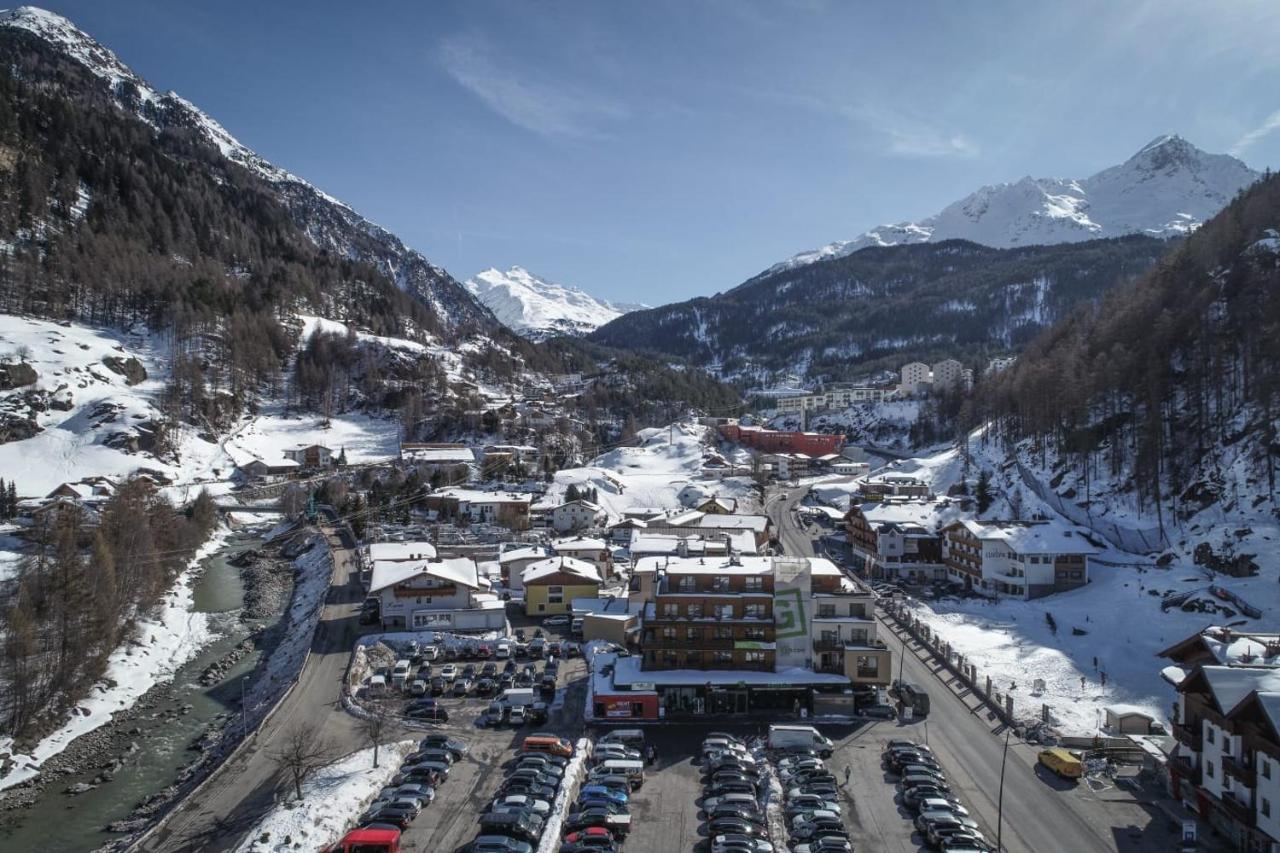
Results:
<point x="164" y="640"/>
<point x="331" y="799"/>
<point x="573" y="773"/>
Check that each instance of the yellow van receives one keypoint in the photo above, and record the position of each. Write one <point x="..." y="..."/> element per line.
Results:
<point x="1062" y="762"/>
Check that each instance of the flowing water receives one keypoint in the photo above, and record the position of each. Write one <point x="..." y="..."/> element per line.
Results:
<point x="66" y="823"/>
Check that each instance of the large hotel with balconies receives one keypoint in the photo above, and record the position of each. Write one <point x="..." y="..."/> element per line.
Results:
<point x="736" y="634"/>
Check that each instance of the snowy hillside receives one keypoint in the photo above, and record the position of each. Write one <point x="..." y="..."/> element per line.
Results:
<point x="328" y="222"/>
<point x="1166" y="189"/>
<point x="537" y="308"/>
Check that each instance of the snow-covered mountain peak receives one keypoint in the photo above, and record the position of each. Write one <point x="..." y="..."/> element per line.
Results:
<point x="1167" y="188"/>
<point x="537" y="308"/>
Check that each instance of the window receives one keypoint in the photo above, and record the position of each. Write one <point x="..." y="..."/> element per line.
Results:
<point x="720" y="584"/>
<point x="692" y="635"/>
<point x="724" y="611"/>
<point x="1208" y="733"/>
<point x="1208" y="769"/>
<point x="723" y="632"/>
<point x="670" y="610"/>
<point x="754" y="657"/>
<point x="1266" y="767"/>
<point x="669" y="658"/>
<point x="722" y="657"/>
<point x="688" y="583"/>
<point x="826" y="611"/>
<point x="753" y="633"/>
<point x="694" y="611"/>
<point x="1266" y="807"/>
<point x="753" y="584"/>
<point x="668" y="633"/>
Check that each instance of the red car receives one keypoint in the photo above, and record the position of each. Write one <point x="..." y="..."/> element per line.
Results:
<point x="589" y="833"/>
<point x="368" y="841"/>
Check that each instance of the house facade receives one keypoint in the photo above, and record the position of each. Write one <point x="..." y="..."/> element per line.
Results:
<point x="896" y="540"/>
<point x="551" y="585"/>
<point x="311" y="456"/>
<point x="589" y="550"/>
<point x="577" y="515"/>
<point x="434" y="594"/>
<point x="1023" y="559"/>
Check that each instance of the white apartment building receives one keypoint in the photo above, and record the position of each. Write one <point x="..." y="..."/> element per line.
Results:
<point x="836" y="398"/>
<point x="947" y="374"/>
<point x="916" y="377"/>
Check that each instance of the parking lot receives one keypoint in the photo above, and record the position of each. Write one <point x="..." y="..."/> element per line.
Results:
<point x="450" y="823"/>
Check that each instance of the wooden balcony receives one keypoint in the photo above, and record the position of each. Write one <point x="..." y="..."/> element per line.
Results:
<point x="1181" y="765"/>
<point x="1237" y="767"/>
<point x="1237" y="810"/>
<point x="1191" y="736"/>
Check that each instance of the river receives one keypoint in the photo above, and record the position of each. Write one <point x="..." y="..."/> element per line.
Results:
<point x="60" y="822"/>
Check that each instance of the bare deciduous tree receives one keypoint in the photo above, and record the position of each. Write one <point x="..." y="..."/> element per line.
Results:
<point x="301" y="755"/>
<point x="374" y="727"/>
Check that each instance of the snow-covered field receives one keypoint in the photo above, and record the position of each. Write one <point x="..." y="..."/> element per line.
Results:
<point x="331" y="800"/>
<point x="164" y="641"/>
<point x="651" y="475"/>
<point x="267" y="436"/>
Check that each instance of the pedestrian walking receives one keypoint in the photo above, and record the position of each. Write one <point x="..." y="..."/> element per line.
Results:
<point x="1082" y="682"/>
<point x="1104" y="679"/>
<point x="848" y="771"/>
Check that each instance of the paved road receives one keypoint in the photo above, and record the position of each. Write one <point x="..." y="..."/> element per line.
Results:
<point x="242" y="790"/>
<point x="1041" y="814"/>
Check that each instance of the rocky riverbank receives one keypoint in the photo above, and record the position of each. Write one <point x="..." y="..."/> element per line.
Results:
<point x="99" y="757"/>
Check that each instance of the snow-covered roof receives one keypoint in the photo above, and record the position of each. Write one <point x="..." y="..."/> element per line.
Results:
<point x="684" y="519"/>
<point x="580" y="543"/>
<point x="459" y="570"/>
<point x="925" y="513"/>
<point x="1122" y="709"/>
<point x="627" y="671"/>
<point x="515" y="555"/>
<point x="593" y="507"/>
<point x="755" y="523"/>
<point x="460" y="455"/>
<point x="1231" y="684"/>
<point x="1039" y="537"/>
<point x="400" y="551"/>
<point x="606" y="605"/>
<point x="706" y="565"/>
<point x="1230" y="646"/>
<point x="739" y="541"/>
<point x="475" y="496"/>
<point x="535" y="572"/>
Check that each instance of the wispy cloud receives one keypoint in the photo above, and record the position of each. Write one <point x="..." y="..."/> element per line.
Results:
<point x="523" y="98"/>
<point x="895" y="131"/>
<point x="1247" y="141"/>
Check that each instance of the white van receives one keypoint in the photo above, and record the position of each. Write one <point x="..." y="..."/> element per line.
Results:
<point x="377" y="685"/>
<point x="630" y="738"/>
<point x="807" y="737"/>
<point x="431" y="653"/>
<point x="632" y="770"/>
<point x="400" y="672"/>
<point x="502" y="650"/>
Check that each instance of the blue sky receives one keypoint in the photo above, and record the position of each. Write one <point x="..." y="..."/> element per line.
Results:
<point x="653" y="151"/>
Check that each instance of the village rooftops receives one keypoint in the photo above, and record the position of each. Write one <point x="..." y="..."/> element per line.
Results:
<point x="399" y="551"/>
<point x="458" y="570"/>
<point x="706" y="565"/>
<point x="590" y="505"/>
<point x="551" y="566"/>
<point x="754" y="523"/>
<point x="921" y="513"/>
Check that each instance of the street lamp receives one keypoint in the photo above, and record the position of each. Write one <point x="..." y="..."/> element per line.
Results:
<point x="1000" y="798"/>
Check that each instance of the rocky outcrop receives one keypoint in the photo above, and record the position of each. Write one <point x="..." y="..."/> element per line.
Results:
<point x="130" y="368"/>
<point x="16" y="375"/>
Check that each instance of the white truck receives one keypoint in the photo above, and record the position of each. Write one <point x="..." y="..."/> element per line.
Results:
<point x="799" y="737"/>
<point x="519" y="697"/>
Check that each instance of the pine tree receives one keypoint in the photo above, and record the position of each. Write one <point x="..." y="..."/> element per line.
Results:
<point x="982" y="492"/>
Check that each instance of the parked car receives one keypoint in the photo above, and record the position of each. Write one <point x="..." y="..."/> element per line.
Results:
<point x="557" y="621"/>
<point x="449" y="671"/>
<point x="525" y="826"/>
<point x="458" y="747"/>
<point x="735" y="826"/>
<point x="500" y="844"/>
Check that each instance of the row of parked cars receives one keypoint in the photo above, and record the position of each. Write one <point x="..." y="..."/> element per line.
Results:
<point x="941" y="820"/>
<point x="812" y="811"/>
<point x="518" y="814"/>
<point x="733" y="787"/>
<point x="600" y="817"/>
<point x="413" y="788"/>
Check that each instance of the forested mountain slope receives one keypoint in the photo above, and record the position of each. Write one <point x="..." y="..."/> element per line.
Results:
<point x="1167" y="389"/>
<point x="885" y="306"/>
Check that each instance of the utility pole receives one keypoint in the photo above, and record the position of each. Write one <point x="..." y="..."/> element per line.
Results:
<point x="1000" y="799"/>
